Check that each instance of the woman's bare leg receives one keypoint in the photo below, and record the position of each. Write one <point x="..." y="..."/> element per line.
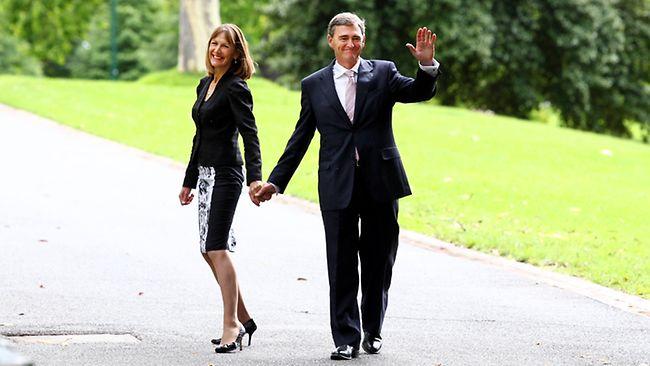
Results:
<point x="242" y="312"/>
<point x="224" y="272"/>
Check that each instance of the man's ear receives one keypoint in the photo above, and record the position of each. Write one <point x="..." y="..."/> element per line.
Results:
<point x="329" y="41"/>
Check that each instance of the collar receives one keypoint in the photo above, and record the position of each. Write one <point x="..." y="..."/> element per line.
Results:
<point x="339" y="70"/>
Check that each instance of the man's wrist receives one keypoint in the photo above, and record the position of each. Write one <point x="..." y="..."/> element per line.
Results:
<point x="430" y="69"/>
<point x="275" y="187"/>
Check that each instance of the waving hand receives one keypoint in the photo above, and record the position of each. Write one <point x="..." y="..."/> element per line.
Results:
<point x="425" y="46"/>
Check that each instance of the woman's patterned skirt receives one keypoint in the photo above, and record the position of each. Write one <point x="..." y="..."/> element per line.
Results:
<point x="219" y="191"/>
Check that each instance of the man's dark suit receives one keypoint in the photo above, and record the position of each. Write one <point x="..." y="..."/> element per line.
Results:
<point x="349" y="190"/>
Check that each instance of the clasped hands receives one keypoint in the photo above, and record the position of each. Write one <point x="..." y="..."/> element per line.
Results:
<point x="259" y="191"/>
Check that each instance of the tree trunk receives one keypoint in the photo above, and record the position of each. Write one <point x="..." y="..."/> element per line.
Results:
<point x="197" y="20"/>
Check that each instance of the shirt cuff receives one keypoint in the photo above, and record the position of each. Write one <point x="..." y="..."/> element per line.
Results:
<point x="431" y="70"/>
<point x="277" y="189"/>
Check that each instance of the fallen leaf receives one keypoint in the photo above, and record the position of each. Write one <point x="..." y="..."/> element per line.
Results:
<point x="41" y="286"/>
<point x="42" y="241"/>
<point x="140" y="293"/>
<point x="302" y="279"/>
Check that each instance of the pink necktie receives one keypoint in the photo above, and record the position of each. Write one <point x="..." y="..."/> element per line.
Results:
<point x="350" y="94"/>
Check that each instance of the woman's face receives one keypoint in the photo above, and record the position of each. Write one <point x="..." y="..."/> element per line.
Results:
<point x="221" y="52"/>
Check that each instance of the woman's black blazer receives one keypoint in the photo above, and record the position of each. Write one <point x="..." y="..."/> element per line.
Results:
<point x="219" y="121"/>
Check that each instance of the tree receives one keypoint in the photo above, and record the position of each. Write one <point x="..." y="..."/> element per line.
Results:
<point x="295" y="44"/>
<point x="51" y="28"/>
<point x="162" y="52"/>
<point x="15" y="57"/>
<point x="632" y="81"/>
<point x="248" y="15"/>
<point x="588" y="58"/>
<point x="196" y="21"/>
<point x="582" y="42"/>
<point x="136" y="31"/>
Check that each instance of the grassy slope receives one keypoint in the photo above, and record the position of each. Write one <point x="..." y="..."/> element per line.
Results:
<point x="574" y="201"/>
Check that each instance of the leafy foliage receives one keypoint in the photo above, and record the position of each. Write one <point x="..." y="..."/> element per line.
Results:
<point x="588" y="58"/>
<point x="15" y="57"/>
<point x="51" y="28"/>
<point x="248" y="15"/>
<point x="145" y="41"/>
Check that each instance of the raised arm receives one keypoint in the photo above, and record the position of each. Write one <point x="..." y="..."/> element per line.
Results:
<point x="409" y="90"/>
<point x="425" y="46"/>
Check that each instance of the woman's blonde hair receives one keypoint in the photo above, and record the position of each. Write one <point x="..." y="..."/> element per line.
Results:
<point x="243" y="65"/>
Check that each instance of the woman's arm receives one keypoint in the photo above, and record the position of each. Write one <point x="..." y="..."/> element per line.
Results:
<point x="241" y="102"/>
<point x="192" y="172"/>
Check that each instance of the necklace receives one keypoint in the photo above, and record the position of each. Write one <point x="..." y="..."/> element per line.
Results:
<point x="213" y="85"/>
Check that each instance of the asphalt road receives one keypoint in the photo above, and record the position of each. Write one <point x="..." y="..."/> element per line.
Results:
<point x="93" y="241"/>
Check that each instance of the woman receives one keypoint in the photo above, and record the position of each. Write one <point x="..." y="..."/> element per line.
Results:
<point x="223" y="110"/>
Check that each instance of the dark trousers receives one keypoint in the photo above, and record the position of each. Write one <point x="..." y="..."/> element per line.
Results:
<point x="375" y="246"/>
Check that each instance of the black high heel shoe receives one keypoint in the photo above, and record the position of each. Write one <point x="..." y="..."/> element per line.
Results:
<point x="232" y="346"/>
<point x="250" y="327"/>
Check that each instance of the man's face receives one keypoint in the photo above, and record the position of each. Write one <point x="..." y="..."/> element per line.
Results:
<point x="347" y="43"/>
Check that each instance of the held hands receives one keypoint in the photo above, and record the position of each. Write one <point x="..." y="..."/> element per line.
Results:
<point x="263" y="193"/>
<point x="185" y="196"/>
<point x="253" y="188"/>
<point x="257" y="191"/>
<point x="425" y="47"/>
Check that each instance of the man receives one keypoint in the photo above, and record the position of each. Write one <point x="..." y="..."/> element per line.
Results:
<point x="360" y="174"/>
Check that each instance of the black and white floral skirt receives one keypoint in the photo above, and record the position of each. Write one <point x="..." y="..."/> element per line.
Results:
<point x="219" y="189"/>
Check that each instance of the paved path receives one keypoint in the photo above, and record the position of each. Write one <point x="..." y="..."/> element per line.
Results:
<point x="93" y="240"/>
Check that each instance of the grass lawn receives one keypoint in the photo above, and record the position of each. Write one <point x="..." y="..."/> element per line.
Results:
<point x="572" y="201"/>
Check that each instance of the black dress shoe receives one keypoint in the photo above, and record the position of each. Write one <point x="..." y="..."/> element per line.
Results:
<point x="371" y="344"/>
<point x="345" y="352"/>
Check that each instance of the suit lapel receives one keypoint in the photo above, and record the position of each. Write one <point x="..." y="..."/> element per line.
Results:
<point x="204" y="91"/>
<point x="327" y="85"/>
<point x="363" y="80"/>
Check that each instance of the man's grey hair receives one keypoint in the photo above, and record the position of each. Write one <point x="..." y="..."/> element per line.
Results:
<point x="346" y="19"/>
